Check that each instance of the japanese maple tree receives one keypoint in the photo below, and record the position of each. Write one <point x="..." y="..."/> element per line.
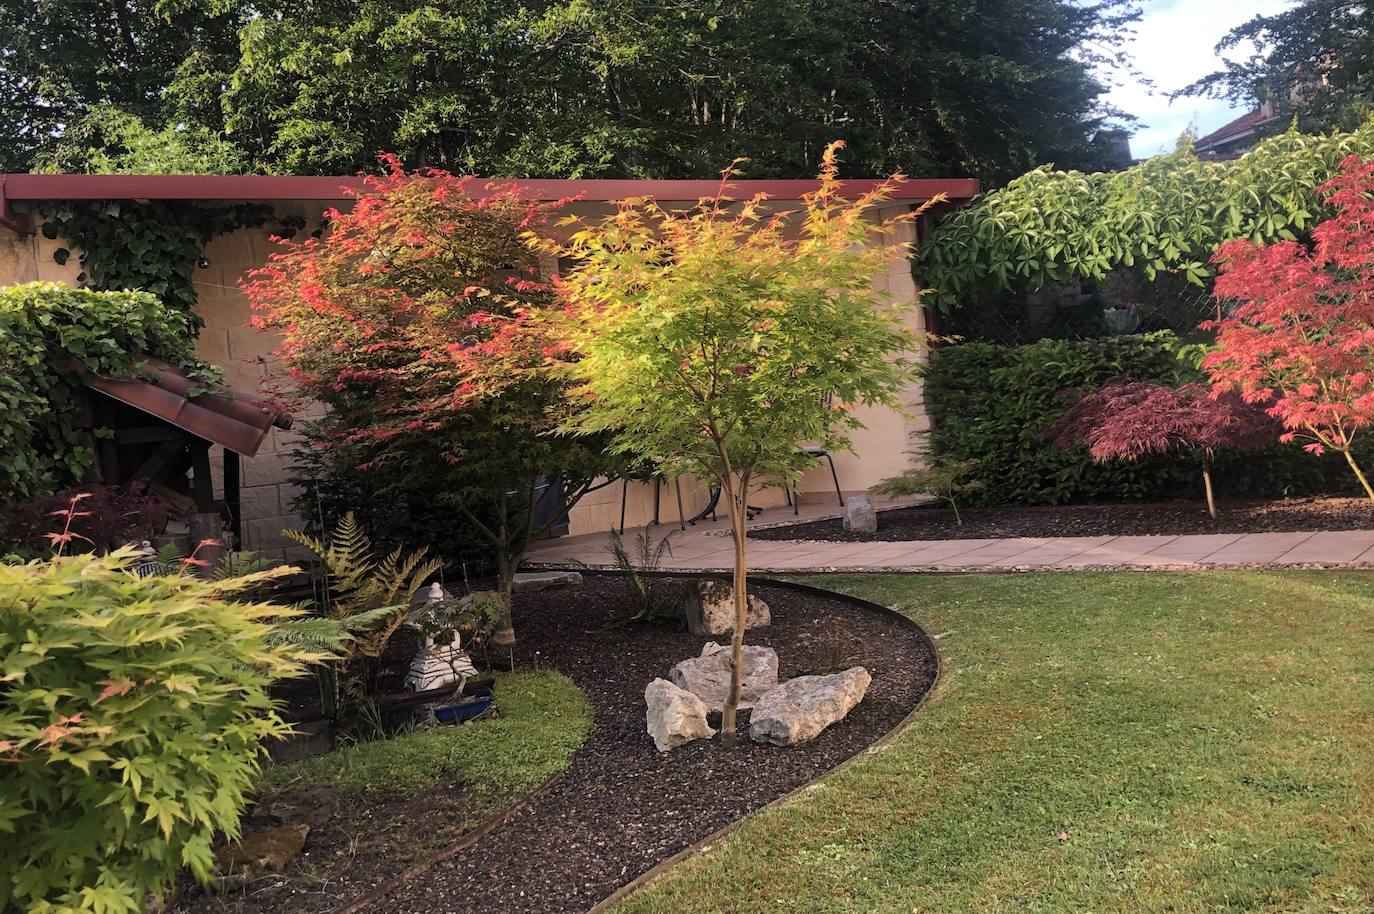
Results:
<point x="1298" y="333"/>
<point x="713" y="341"/>
<point x="413" y="320"/>
<point x="1127" y="420"/>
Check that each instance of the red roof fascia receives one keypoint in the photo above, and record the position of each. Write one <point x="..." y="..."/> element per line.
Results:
<point x="274" y="187"/>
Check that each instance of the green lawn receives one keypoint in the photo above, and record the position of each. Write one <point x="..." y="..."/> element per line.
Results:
<point x="1099" y="743"/>
<point x="543" y="719"/>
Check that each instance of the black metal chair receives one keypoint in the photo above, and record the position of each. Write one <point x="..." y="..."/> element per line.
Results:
<point x="653" y="475"/>
<point x="816" y="453"/>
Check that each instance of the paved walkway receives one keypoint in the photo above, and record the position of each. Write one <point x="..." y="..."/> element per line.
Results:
<point x="707" y="547"/>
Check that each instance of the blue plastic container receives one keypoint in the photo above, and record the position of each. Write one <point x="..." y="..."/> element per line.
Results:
<point x="463" y="710"/>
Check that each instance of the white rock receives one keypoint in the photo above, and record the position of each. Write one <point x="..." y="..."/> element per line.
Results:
<point x="711" y="609"/>
<point x="675" y="716"/>
<point x="799" y="709"/>
<point x="542" y="580"/>
<point x="708" y="676"/>
<point x="860" y="515"/>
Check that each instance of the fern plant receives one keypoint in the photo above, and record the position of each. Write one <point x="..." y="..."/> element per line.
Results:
<point x="651" y="600"/>
<point x="370" y="595"/>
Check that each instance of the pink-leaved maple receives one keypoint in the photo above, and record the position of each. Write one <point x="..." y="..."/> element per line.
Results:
<point x="1127" y="420"/>
<point x="1298" y="332"/>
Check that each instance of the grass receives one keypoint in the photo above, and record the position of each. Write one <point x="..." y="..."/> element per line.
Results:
<point x="543" y="719"/>
<point x="1098" y="743"/>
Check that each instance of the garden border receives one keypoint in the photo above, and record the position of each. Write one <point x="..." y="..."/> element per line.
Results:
<point x="878" y="745"/>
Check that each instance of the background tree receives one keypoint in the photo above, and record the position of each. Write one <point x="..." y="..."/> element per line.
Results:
<point x="1127" y="420"/>
<point x="1313" y="61"/>
<point x="1299" y="329"/>
<point x="412" y="321"/>
<point x="570" y="88"/>
<point x="708" y="343"/>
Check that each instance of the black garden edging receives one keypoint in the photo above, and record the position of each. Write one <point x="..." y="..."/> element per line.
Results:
<point x="623" y="814"/>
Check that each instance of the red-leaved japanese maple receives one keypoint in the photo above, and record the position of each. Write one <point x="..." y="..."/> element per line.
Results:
<point x="1127" y="420"/>
<point x="415" y="319"/>
<point x="1298" y="335"/>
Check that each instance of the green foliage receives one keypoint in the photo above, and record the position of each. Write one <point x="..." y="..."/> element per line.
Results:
<point x="990" y="404"/>
<point x="110" y="141"/>
<point x="947" y="480"/>
<point x="43" y="328"/>
<point x="152" y="245"/>
<point x="1165" y="215"/>
<point x="132" y="720"/>
<point x="647" y="591"/>
<point x="543" y="719"/>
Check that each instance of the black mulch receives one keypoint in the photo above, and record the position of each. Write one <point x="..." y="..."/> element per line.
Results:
<point x="930" y="522"/>
<point x="621" y="806"/>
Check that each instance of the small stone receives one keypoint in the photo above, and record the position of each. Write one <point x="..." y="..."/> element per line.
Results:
<point x="543" y="580"/>
<point x="711" y="609"/>
<point x="708" y="676"/>
<point x="859" y="515"/>
<point x="799" y="709"/>
<point x="258" y="853"/>
<point x="675" y="716"/>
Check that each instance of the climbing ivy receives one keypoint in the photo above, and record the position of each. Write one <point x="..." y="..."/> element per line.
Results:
<point x="1166" y="214"/>
<point x="152" y="245"/>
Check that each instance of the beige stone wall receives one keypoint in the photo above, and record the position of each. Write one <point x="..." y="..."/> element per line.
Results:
<point x="245" y="355"/>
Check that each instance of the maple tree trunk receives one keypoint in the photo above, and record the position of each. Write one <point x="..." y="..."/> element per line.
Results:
<point x="1359" y="474"/>
<point x="739" y="523"/>
<point x="1207" y="485"/>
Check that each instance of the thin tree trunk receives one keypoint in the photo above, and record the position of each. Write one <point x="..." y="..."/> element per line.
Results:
<point x="504" y="636"/>
<point x="1359" y="474"/>
<point x="1207" y="484"/>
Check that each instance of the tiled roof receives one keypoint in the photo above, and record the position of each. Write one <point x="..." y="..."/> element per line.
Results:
<point x="1246" y="123"/>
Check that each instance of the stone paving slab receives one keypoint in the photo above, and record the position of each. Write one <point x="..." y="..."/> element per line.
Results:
<point x="707" y="547"/>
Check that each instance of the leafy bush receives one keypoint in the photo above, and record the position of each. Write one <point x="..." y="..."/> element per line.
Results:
<point x="44" y="328"/>
<point x="132" y="720"/>
<point x="946" y="480"/>
<point x="110" y="517"/>
<point x="990" y="404"/>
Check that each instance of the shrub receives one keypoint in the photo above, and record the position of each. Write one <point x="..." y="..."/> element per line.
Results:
<point x="44" y="329"/>
<point x="948" y="481"/>
<point x="110" y="517"/>
<point x="989" y="404"/>
<point x="132" y="720"/>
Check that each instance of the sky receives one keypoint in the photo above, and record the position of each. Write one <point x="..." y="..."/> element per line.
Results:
<point x="1175" y="44"/>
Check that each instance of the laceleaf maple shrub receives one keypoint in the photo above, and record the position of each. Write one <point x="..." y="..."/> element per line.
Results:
<point x="413" y="320"/>
<point x="1297" y="334"/>
<point x="1128" y="420"/>
<point x="709" y="342"/>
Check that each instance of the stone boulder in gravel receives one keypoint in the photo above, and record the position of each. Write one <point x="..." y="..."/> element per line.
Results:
<point x="860" y="515"/>
<point x="675" y="715"/>
<point x="711" y="609"/>
<point x="708" y="676"/>
<point x="799" y="709"/>
<point x="528" y="581"/>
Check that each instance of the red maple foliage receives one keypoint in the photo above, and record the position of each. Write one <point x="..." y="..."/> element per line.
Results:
<point x="1127" y="420"/>
<point x="1299" y="332"/>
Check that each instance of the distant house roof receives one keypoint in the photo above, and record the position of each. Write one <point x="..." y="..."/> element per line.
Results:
<point x="15" y="187"/>
<point x="224" y="417"/>
<point x="1238" y="129"/>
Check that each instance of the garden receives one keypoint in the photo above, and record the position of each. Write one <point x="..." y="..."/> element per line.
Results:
<point x="410" y="717"/>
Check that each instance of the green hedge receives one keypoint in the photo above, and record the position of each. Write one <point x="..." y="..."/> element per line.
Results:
<point x="989" y="403"/>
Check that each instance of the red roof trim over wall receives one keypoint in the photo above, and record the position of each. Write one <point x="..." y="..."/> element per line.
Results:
<point x="272" y="187"/>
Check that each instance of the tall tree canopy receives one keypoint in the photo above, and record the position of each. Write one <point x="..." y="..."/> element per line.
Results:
<point x="1314" y="61"/>
<point x="563" y="87"/>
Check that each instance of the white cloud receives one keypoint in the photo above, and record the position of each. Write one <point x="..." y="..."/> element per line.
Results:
<point x="1174" y="45"/>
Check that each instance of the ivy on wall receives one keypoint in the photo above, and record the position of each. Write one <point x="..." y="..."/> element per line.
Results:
<point x="1166" y="214"/>
<point x="153" y="245"/>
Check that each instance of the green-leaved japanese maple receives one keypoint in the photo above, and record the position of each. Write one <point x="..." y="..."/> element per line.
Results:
<point x="716" y="341"/>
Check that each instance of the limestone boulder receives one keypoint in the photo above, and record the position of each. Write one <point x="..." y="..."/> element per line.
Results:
<point x="711" y="609"/>
<point x="675" y="716"/>
<point x="527" y="581"/>
<point x="859" y="515"/>
<point x="799" y="709"/>
<point x="708" y="676"/>
<point x="259" y="853"/>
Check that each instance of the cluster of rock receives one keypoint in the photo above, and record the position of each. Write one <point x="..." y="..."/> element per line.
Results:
<point x="783" y="714"/>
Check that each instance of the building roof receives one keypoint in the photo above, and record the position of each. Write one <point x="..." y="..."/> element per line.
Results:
<point x="16" y="187"/>
<point x="1239" y="128"/>
<point x="224" y="417"/>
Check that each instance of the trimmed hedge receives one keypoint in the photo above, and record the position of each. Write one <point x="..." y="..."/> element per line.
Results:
<point x="989" y="403"/>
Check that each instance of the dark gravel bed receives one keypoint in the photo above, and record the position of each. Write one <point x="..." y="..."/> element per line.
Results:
<point x="1174" y="517"/>
<point x="621" y="807"/>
